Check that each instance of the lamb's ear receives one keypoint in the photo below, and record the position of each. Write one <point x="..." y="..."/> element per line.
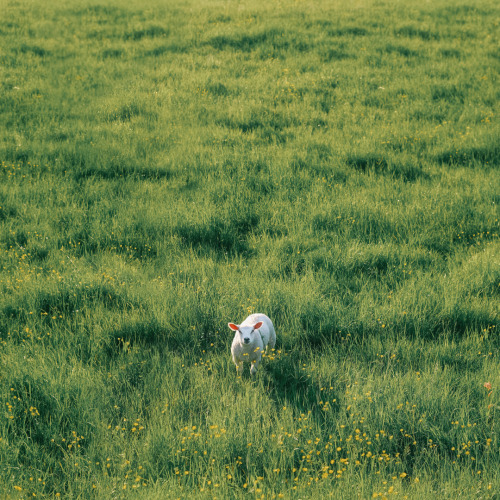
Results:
<point x="233" y="327"/>
<point x="257" y="325"/>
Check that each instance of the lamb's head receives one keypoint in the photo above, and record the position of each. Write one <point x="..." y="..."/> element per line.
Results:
<point x="246" y="333"/>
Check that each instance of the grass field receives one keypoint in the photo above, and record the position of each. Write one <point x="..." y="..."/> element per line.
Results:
<point x="168" y="167"/>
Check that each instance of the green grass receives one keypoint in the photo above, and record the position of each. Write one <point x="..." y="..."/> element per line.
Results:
<point x="169" y="167"/>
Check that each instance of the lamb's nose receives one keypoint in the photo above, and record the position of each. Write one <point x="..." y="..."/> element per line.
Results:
<point x="247" y="341"/>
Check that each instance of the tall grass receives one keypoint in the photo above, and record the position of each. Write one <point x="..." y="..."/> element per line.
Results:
<point x="172" y="167"/>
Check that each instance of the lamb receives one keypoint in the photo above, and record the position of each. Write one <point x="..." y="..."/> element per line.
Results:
<point x="254" y="335"/>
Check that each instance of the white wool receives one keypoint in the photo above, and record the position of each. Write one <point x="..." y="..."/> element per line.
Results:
<point x="258" y="340"/>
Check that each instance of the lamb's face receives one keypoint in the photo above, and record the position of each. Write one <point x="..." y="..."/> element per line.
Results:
<point x="247" y="334"/>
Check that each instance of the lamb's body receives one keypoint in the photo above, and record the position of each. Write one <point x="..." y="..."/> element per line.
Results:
<point x="249" y="343"/>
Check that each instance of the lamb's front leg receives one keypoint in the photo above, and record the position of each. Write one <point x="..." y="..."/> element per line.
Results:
<point x="255" y="365"/>
<point x="239" y="367"/>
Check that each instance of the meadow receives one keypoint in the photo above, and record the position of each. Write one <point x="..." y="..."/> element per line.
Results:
<point x="170" y="166"/>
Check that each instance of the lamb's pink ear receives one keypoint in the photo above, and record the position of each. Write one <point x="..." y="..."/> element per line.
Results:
<point x="257" y="325"/>
<point x="233" y="327"/>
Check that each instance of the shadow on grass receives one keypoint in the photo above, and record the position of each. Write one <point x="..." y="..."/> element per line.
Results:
<point x="289" y="383"/>
<point x="171" y="48"/>
<point x="484" y="155"/>
<point x="165" y="339"/>
<point x="227" y="236"/>
<point x="150" y="32"/>
<point x="268" y="40"/>
<point x="148" y="334"/>
<point x="269" y="126"/>
<point x="34" y="50"/>
<point x="456" y="324"/>
<point x="46" y="304"/>
<point x="411" y="31"/>
<point x="380" y="166"/>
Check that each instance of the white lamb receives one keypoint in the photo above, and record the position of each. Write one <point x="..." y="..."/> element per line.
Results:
<point x="254" y="335"/>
